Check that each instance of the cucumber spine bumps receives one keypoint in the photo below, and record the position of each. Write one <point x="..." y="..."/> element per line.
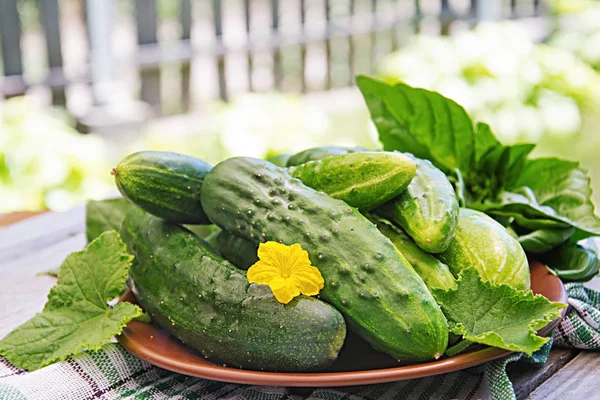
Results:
<point x="366" y="279"/>
<point x="209" y="305"/>
<point x="164" y="184"/>
<point x="427" y="209"/>
<point x="364" y="180"/>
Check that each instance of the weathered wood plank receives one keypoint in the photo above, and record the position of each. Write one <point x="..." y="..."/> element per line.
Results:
<point x="577" y="380"/>
<point x="527" y="377"/>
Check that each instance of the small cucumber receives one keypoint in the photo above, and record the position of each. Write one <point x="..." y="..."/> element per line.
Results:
<point x="366" y="279"/>
<point x="435" y="273"/>
<point x="364" y="180"/>
<point x="318" y="153"/>
<point x="209" y="305"/>
<point x="427" y="209"/>
<point x="239" y="251"/>
<point x="482" y="243"/>
<point x="164" y="184"/>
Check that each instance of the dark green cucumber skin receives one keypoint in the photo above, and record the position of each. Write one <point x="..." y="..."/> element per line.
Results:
<point x="434" y="273"/>
<point x="366" y="279"/>
<point x="209" y="305"/>
<point x="427" y="210"/>
<point x="239" y="251"/>
<point x="364" y="180"/>
<point x="318" y="153"/>
<point x="165" y="184"/>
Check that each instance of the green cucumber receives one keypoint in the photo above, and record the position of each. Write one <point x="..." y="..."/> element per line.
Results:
<point x="435" y="273"/>
<point x="318" y="153"/>
<point x="239" y="251"/>
<point x="482" y="243"/>
<point x="427" y="209"/>
<point x="364" y="180"/>
<point x="164" y="184"/>
<point x="366" y="279"/>
<point x="209" y="305"/>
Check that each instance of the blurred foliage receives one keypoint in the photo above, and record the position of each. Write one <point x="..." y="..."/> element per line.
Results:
<point x="523" y="89"/>
<point x="44" y="162"/>
<point x="260" y="125"/>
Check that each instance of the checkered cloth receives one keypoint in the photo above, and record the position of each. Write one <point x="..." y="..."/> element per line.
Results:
<point x="112" y="373"/>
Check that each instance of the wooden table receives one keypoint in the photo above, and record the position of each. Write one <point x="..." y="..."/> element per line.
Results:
<point x="31" y="244"/>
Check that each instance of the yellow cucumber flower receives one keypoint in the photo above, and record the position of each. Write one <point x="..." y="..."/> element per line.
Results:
<point x="287" y="271"/>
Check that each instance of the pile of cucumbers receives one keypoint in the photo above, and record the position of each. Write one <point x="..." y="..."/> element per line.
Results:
<point x="383" y="228"/>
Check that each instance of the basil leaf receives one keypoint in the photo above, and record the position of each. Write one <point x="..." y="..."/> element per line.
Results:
<point x="421" y="122"/>
<point x="572" y="262"/>
<point x="544" y="240"/>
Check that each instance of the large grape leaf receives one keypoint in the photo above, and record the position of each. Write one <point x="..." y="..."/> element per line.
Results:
<point x="105" y="215"/>
<point x="76" y="316"/>
<point x="496" y="315"/>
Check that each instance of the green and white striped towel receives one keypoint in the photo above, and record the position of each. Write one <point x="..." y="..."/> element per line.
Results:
<point x="112" y="373"/>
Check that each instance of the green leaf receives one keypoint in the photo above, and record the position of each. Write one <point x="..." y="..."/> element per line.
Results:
<point x="548" y="193"/>
<point x="496" y="315"/>
<point x="544" y="240"/>
<point x="105" y="215"/>
<point x="572" y="262"/>
<point x="76" y="316"/>
<point x="421" y="122"/>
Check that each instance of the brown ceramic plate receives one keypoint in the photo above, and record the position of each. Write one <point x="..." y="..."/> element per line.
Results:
<point x="360" y="366"/>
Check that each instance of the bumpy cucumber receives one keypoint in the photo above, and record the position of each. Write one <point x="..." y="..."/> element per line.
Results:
<point x="164" y="184"/>
<point x="363" y="180"/>
<point x="482" y="243"/>
<point x="435" y="273"/>
<point x="318" y="153"/>
<point x="366" y="279"/>
<point x="209" y="305"/>
<point x="239" y="251"/>
<point x="427" y="209"/>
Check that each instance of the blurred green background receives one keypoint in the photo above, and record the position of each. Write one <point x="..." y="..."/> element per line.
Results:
<point x="544" y="92"/>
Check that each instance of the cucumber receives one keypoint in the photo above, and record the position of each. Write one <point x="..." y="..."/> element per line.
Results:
<point x="239" y="251"/>
<point x="482" y="243"/>
<point x="164" y="184"/>
<point x="434" y="273"/>
<point x="318" y="153"/>
<point x="209" y="305"/>
<point x="366" y="279"/>
<point x="364" y="180"/>
<point x="427" y="210"/>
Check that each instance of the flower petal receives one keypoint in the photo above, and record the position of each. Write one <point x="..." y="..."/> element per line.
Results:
<point x="284" y="290"/>
<point x="309" y="280"/>
<point x="262" y="273"/>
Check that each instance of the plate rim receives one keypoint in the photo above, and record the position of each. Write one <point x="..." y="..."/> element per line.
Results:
<point x="326" y="379"/>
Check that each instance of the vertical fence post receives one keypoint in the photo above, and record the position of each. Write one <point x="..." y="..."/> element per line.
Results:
<point x="419" y="16"/>
<point x="10" y="34"/>
<point x="373" y="49"/>
<point x="99" y="19"/>
<point x="218" y="18"/>
<point x="351" y="70"/>
<point x="277" y="49"/>
<point x="303" y="45"/>
<point x="50" y="18"/>
<point x="146" y="20"/>
<point x="248" y="20"/>
<point x="185" y="17"/>
<point x="329" y="80"/>
<point x="446" y="18"/>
